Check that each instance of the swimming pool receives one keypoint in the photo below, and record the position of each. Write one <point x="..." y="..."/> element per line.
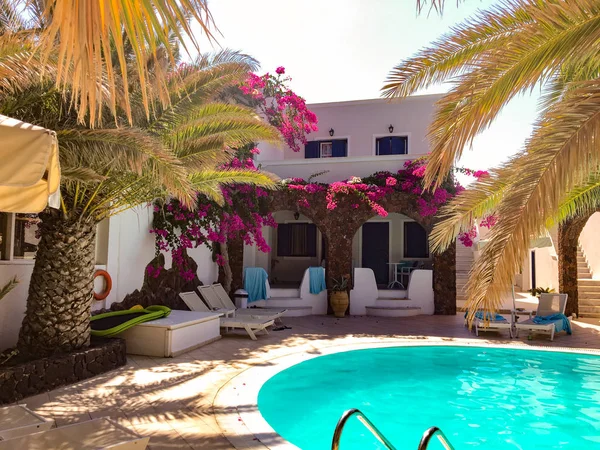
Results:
<point x="488" y="398"/>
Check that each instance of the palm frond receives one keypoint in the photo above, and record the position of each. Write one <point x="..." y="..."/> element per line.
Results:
<point x="114" y="151"/>
<point x="452" y="53"/>
<point x="85" y="34"/>
<point x="209" y="182"/>
<point x="559" y="157"/>
<point x="81" y="174"/>
<point x="582" y="200"/>
<point x="552" y="35"/>
<point x="479" y="200"/>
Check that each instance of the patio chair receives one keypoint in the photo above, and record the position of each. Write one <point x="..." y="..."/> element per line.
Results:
<point x="487" y="322"/>
<point x="225" y="302"/>
<point x="250" y="324"/>
<point x="195" y="303"/>
<point x="550" y="317"/>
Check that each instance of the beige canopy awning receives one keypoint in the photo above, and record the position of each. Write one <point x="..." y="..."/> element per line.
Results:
<point x="29" y="167"/>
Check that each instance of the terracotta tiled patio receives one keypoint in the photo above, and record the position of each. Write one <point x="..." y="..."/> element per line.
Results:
<point x="172" y="399"/>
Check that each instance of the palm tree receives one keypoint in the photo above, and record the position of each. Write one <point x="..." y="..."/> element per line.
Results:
<point x="108" y="170"/>
<point x="493" y="57"/>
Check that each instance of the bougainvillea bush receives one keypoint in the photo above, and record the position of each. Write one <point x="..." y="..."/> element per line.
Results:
<point x="409" y="180"/>
<point x="282" y="108"/>
<point x="243" y="215"/>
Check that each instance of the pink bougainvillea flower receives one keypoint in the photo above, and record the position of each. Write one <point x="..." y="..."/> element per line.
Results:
<point x="390" y="181"/>
<point x="280" y="70"/>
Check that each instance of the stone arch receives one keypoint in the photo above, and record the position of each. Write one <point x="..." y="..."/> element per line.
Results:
<point x="568" y="241"/>
<point x="339" y="226"/>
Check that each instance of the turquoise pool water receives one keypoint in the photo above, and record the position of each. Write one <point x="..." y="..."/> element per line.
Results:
<point x="487" y="398"/>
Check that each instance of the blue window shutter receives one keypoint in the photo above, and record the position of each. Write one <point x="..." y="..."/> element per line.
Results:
<point x="384" y="146"/>
<point x="339" y="148"/>
<point x="311" y="149"/>
<point x="398" y="145"/>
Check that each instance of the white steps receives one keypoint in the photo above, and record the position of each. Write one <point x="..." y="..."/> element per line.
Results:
<point x="588" y="288"/>
<point x="393" y="307"/>
<point x="393" y="311"/>
<point x="285" y="292"/>
<point x="397" y="294"/>
<point x="296" y="307"/>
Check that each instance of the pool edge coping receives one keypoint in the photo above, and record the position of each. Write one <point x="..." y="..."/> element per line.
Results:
<point x="249" y="430"/>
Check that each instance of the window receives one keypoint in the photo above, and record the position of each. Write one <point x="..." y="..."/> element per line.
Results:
<point x="415" y="241"/>
<point x="19" y="236"/>
<point x="335" y="148"/>
<point x="326" y="149"/>
<point x="297" y="239"/>
<point x="391" y="145"/>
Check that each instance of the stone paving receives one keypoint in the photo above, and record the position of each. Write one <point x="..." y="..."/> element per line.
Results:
<point x="172" y="399"/>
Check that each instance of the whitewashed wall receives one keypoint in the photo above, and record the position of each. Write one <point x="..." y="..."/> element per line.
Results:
<point x="361" y="122"/>
<point x="124" y="247"/>
<point x="589" y="242"/>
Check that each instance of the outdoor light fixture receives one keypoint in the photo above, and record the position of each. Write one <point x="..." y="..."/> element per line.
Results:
<point x="296" y="215"/>
<point x="331" y="132"/>
<point x="391" y="128"/>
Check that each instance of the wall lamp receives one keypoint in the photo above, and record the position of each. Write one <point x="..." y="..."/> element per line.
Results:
<point x="331" y="132"/>
<point x="391" y="128"/>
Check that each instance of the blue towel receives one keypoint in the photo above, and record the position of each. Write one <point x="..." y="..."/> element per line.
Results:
<point x="255" y="283"/>
<point x="488" y="316"/>
<point x="317" y="279"/>
<point x="561" y="322"/>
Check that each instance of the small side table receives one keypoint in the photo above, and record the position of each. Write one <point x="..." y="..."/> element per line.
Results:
<point x="395" y="280"/>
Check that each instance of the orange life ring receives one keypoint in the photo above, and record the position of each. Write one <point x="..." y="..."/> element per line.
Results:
<point x="107" y="280"/>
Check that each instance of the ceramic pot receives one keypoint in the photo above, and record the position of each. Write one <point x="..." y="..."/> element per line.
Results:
<point x="339" y="303"/>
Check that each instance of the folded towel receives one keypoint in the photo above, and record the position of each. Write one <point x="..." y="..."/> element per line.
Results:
<point x="561" y="322"/>
<point x="255" y="283"/>
<point x="488" y="316"/>
<point x="317" y="279"/>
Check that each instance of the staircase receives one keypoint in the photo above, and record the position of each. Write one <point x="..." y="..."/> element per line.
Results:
<point x="392" y="303"/>
<point x="464" y="262"/>
<point x="289" y="299"/>
<point x="588" y="288"/>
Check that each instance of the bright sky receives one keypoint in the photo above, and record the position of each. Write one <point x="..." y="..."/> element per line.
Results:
<point x="339" y="50"/>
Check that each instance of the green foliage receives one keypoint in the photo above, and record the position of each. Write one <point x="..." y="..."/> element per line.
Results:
<point x="4" y="290"/>
<point x="536" y="292"/>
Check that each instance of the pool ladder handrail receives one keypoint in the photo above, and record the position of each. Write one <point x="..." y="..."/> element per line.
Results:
<point x="429" y="434"/>
<point x="425" y="440"/>
<point x="339" y="428"/>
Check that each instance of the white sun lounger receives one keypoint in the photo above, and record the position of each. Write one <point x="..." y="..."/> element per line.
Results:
<point x="18" y="420"/>
<point x="218" y="298"/>
<point x="492" y="325"/>
<point x="549" y="304"/>
<point x="250" y="324"/>
<point x="94" y="434"/>
<point x="195" y="303"/>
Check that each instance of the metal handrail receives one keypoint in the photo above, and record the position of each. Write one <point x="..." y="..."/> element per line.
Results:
<point x="429" y="434"/>
<point x="339" y="428"/>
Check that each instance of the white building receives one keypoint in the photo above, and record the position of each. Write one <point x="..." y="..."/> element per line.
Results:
<point x="355" y="138"/>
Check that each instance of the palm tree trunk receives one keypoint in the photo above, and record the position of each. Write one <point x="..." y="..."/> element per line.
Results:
<point x="61" y="289"/>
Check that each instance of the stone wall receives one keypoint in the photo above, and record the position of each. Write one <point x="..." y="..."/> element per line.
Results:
<point x="42" y="375"/>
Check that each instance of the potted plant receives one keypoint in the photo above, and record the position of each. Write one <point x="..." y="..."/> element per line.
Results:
<point x="339" y="296"/>
<point x="536" y="292"/>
